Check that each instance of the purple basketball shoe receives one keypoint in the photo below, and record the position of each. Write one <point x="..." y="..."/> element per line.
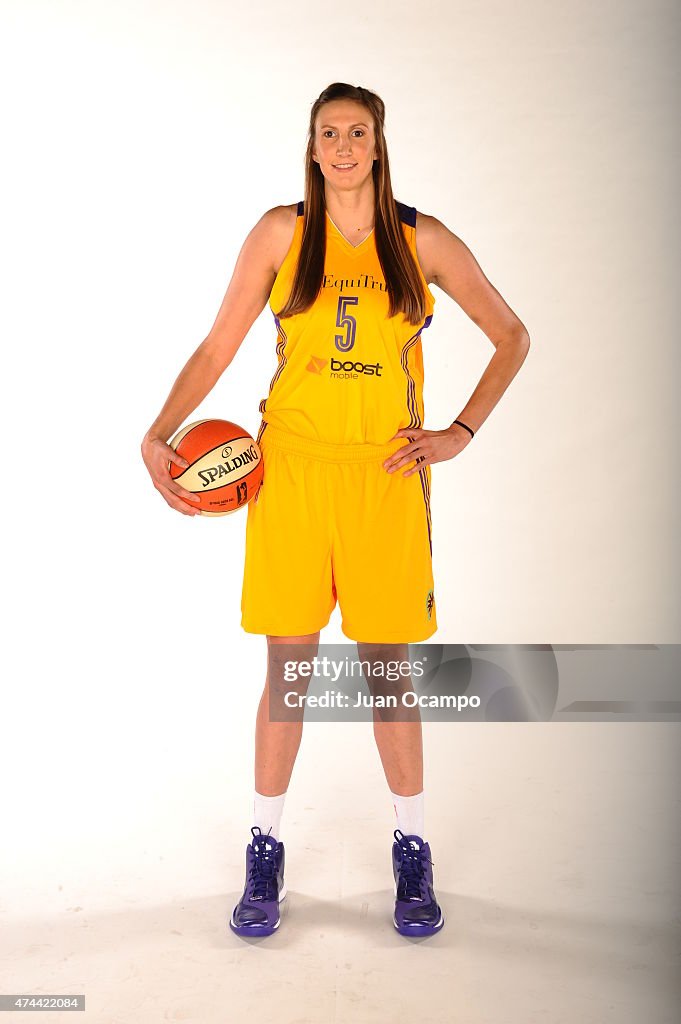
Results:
<point x="257" y="912"/>
<point x="417" y="912"/>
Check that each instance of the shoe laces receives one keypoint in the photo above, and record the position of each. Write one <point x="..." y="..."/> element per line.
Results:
<point x="412" y="866"/>
<point x="263" y="872"/>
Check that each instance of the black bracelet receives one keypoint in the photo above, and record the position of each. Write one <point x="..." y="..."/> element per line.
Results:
<point x="464" y="425"/>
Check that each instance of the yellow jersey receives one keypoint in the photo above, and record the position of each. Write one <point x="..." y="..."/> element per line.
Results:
<point x="346" y="373"/>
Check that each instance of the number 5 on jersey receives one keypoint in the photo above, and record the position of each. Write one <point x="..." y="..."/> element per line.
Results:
<point x="344" y="342"/>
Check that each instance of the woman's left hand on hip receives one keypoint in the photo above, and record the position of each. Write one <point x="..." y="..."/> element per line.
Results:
<point x="426" y="446"/>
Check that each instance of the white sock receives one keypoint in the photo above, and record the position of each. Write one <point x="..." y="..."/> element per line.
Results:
<point x="267" y="813"/>
<point x="409" y="812"/>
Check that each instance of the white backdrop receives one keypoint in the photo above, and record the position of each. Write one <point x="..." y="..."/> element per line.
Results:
<point x="142" y="142"/>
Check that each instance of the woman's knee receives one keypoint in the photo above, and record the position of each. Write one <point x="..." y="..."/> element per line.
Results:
<point x="283" y="654"/>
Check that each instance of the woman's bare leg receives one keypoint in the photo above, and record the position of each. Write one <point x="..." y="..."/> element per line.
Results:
<point x="277" y="742"/>
<point x="399" y="739"/>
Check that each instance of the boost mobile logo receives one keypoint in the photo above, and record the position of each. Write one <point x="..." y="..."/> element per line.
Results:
<point x="341" y="370"/>
<point x="345" y="369"/>
<point x="316" y="365"/>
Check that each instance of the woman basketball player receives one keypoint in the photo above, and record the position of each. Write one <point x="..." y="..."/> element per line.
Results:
<point x="343" y="512"/>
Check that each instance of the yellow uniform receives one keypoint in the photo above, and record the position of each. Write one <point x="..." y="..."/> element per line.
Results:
<point x="329" y="522"/>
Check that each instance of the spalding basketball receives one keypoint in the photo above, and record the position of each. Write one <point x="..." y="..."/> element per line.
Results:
<point x="225" y="465"/>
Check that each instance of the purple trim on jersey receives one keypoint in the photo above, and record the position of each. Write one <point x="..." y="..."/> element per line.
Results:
<point x="281" y="345"/>
<point x="415" y="419"/>
<point x="406" y="213"/>
<point x="425" y="487"/>
<point x="263" y="427"/>
<point x="412" y="408"/>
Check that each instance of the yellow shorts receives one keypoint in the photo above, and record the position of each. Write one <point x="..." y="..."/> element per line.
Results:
<point x="330" y="524"/>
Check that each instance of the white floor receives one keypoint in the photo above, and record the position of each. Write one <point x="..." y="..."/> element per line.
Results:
<point x="556" y="857"/>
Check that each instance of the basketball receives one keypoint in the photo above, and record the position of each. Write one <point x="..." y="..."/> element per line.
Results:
<point x="225" y="465"/>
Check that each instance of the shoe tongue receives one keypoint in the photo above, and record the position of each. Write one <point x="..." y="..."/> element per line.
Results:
<point x="262" y="836"/>
<point x="264" y="842"/>
<point x="414" y="841"/>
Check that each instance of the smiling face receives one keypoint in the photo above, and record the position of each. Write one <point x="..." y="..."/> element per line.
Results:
<point x="344" y="134"/>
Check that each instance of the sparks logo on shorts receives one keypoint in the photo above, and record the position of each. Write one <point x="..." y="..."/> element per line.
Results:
<point x="430" y="602"/>
<point x="316" y="365"/>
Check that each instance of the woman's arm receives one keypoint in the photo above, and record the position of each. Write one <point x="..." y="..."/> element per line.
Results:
<point x="244" y="300"/>
<point x="447" y="262"/>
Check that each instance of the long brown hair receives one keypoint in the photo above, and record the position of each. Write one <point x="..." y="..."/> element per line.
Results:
<point x="403" y="284"/>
